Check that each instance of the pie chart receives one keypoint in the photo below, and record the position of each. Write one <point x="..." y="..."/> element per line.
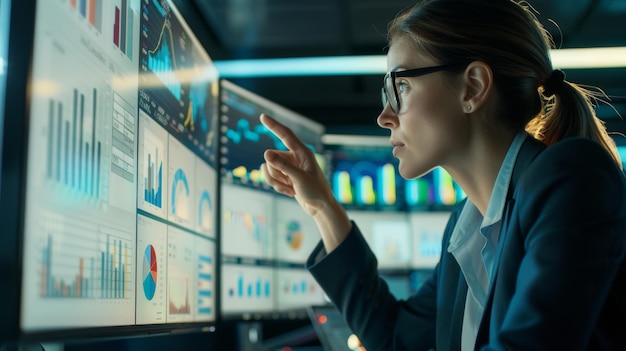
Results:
<point x="149" y="272"/>
<point x="294" y="235"/>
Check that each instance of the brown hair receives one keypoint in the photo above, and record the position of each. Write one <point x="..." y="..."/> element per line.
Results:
<point x="506" y="35"/>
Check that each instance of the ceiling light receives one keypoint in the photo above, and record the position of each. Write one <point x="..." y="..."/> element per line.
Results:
<point x="610" y="57"/>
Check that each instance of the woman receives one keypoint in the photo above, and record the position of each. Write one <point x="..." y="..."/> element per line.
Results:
<point x="534" y="258"/>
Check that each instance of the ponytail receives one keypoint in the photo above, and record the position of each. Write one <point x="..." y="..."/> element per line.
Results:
<point x="568" y="111"/>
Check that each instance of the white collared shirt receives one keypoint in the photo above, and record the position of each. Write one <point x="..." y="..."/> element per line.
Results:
<point x="474" y="241"/>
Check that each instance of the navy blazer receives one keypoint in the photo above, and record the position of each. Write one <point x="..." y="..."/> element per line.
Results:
<point x="559" y="280"/>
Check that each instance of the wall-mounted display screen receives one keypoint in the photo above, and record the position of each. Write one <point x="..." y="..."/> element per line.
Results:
<point x="120" y="209"/>
<point x="265" y="236"/>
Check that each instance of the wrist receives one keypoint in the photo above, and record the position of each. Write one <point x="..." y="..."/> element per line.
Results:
<point x="333" y="223"/>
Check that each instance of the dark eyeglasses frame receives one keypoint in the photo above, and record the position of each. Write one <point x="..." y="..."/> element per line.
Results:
<point x="410" y="73"/>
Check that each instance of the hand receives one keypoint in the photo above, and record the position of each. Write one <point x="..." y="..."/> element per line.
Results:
<point x="295" y="172"/>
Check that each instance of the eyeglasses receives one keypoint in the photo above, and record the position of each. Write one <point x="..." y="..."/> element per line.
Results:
<point x="389" y="82"/>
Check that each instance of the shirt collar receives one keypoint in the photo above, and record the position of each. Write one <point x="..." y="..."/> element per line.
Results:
<point x="470" y="217"/>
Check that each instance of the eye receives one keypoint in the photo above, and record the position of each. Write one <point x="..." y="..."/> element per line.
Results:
<point x="402" y="86"/>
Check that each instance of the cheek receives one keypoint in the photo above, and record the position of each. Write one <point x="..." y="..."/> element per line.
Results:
<point x="434" y="127"/>
<point x="431" y="117"/>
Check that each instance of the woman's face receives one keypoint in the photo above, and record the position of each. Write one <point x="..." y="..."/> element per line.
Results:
<point x="430" y="126"/>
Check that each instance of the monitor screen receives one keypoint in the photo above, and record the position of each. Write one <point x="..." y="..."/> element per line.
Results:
<point x="363" y="173"/>
<point x="364" y="176"/>
<point x="427" y="234"/>
<point x="119" y="217"/>
<point x="265" y="236"/>
<point x="177" y="171"/>
<point x="388" y="233"/>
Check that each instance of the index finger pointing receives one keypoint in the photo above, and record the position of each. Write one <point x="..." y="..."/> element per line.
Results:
<point x="286" y="135"/>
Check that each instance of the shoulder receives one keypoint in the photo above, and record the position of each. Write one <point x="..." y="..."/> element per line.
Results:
<point x="573" y="156"/>
<point x="577" y="170"/>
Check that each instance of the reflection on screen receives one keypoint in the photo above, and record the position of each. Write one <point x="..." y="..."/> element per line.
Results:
<point x="265" y="237"/>
<point x="119" y="215"/>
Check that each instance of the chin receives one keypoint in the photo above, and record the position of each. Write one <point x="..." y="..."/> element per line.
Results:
<point x="406" y="173"/>
<point x="413" y="172"/>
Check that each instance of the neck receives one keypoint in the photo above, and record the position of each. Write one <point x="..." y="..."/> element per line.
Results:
<point x="477" y="168"/>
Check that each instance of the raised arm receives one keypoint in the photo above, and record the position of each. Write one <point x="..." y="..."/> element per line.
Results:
<point x="295" y="172"/>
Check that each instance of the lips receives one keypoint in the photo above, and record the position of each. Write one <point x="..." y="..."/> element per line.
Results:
<point x="395" y="143"/>
<point x="397" y="147"/>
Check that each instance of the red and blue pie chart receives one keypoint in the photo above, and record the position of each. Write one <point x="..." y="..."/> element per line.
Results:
<point x="149" y="272"/>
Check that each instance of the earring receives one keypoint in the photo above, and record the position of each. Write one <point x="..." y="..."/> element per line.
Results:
<point x="469" y="108"/>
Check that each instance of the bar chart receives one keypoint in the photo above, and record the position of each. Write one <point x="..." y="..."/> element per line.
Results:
<point x="123" y="28"/>
<point x="152" y="156"/>
<point x="247" y="288"/>
<point x="75" y="149"/>
<point x="205" y="251"/>
<point x="365" y="183"/>
<point x="90" y="10"/>
<point x="80" y="261"/>
<point x="297" y="288"/>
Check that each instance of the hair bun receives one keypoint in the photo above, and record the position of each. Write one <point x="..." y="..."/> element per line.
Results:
<point x="553" y="83"/>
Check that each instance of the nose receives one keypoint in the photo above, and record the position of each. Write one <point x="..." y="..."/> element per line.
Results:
<point x="387" y="119"/>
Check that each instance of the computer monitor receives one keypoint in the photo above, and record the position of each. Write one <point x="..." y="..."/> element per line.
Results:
<point x="427" y="230"/>
<point x="177" y="171"/>
<point x="364" y="176"/>
<point x="402" y="220"/>
<point x="388" y="233"/>
<point x="265" y="236"/>
<point x="363" y="172"/>
<point x="119" y="219"/>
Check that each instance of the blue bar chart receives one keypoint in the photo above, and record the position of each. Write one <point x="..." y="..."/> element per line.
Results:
<point x="74" y="152"/>
<point x="153" y="177"/>
<point x="153" y="169"/>
<point x="205" y="279"/>
<point x="247" y="288"/>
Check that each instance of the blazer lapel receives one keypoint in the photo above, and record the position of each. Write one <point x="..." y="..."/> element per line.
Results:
<point x="530" y="149"/>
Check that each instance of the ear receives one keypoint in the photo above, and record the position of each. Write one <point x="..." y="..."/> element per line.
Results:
<point x="479" y="84"/>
